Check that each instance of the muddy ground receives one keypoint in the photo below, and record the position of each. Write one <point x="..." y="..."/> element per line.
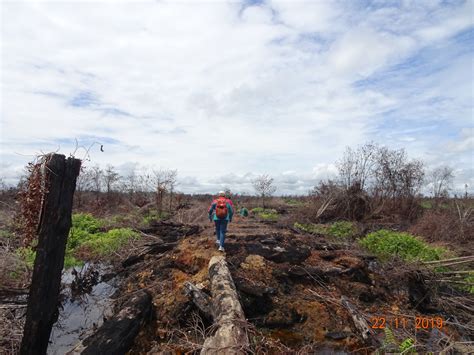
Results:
<point x="290" y="286"/>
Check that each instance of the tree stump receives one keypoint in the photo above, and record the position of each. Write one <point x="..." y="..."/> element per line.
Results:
<point x="60" y="176"/>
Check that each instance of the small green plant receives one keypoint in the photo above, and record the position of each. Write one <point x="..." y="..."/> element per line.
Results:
<point x="257" y="210"/>
<point x="426" y="205"/>
<point x="342" y="229"/>
<point x="407" y="346"/>
<point x="154" y="216"/>
<point x="387" y="243"/>
<point x="27" y="255"/>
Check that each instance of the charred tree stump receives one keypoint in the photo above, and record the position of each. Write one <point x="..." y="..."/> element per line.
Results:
<point x="117" y="334"/>
<point x="230" y="336"/>
<point x="60" y="176"/>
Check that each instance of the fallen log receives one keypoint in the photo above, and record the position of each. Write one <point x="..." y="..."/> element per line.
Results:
<point x="117" y="334"/>
<point x="155" y="248"/>
<point x="230" y="336"/>
<point x="202" y="301"/>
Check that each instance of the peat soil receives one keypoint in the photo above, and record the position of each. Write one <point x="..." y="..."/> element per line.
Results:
<point x="290" y="285"/>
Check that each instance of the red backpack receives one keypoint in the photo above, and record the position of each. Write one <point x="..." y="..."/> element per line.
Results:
<point x="221" y="208"/>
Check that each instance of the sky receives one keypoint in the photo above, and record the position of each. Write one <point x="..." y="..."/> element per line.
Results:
<point x="224" y="91"/>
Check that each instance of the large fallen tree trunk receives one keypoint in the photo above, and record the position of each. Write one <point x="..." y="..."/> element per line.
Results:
<point x="230" y="336"/>
<point x="117" y="334"/>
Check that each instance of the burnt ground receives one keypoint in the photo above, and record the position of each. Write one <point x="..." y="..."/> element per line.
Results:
<point x="290" y="286"/>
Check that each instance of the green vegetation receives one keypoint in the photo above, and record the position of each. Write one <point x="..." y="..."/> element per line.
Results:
<point x="103" y="244"/>
<point x="385" y="243"/>
<point x="294" y="202"/>
<point x="341" y="229"/>
<point x="5" y="234"/>
<point x="407" y="346"/>
<point x="266" y="214"/>
<point x="153" y="216"/>
<point x="86" y="234"/>
<point x="27" y="255"/>
<point x="312" y="228"/>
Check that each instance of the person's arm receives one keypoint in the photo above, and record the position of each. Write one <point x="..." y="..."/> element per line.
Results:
<point x="211" y="210"/>
<point x="231" y="212"/>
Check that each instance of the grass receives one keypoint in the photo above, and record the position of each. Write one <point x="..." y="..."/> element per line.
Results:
<point x="340" y="229"/>
<point x="385" y="244"/>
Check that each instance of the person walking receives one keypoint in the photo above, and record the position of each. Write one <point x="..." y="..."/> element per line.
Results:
<point x="221" y="213"/>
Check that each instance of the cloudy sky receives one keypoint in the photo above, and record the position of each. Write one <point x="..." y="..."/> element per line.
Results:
<point x="225" y="90"/>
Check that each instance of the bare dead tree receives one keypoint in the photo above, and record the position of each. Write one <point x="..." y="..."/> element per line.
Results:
<point x="96" y="179"/>
<point x="264" y="187"/>
<point x="83" y="183"/>
<point x="441" y="179"/>
<point x="357" y="165"/>
<point x="110" y="178"/>
<point x="162" y="181"/>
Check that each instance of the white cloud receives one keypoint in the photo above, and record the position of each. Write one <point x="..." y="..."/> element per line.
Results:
<point x="222" y="89"/>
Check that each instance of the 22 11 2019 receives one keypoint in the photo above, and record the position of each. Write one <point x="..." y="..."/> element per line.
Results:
<point x="418" y="322"/>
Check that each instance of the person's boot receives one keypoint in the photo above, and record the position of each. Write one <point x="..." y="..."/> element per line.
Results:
<point x="221" y="249"/>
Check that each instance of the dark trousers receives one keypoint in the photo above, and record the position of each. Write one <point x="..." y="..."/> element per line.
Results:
<point x="221" y="229"/>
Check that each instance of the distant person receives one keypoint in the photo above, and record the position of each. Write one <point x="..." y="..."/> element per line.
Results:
<point x="221" y="213"/>
<point x="244" y="212"/>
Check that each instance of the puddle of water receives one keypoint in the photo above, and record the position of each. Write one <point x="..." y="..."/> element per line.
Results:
<point x="79" y="316"/>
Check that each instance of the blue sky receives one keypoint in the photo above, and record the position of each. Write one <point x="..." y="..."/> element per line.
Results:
<point x="225" y="90"/>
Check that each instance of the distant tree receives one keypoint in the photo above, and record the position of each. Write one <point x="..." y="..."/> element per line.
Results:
<point x="441" y="179"/>
<point x="96" y="180"/>
<point x="264" y="187"/>
<point x="110" y="178"/>
<point x="162" y="180"/>
<point x="83" y="183"/>
<point x="357" y="165"/>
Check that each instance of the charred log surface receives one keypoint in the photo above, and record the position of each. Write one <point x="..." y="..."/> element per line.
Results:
<point x="117" y="334"/>
<point x="256" y="298"/>
<point x="155" y="248"/>
<point x="171" y="232"/>
<point x="230" y="336"/>
<point x="200" y="299"/>
<point x="419" y="293"/>
<point x="279" y="254"/>
<point x="55" y="222"/>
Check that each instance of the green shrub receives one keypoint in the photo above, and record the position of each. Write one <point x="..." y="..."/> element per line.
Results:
<point x="387" y="243"/>
<point x="342" y="229"/>
<point x="257" y="210"/>
<point x="103" y="244"/>
<point x="86" y="222"/>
